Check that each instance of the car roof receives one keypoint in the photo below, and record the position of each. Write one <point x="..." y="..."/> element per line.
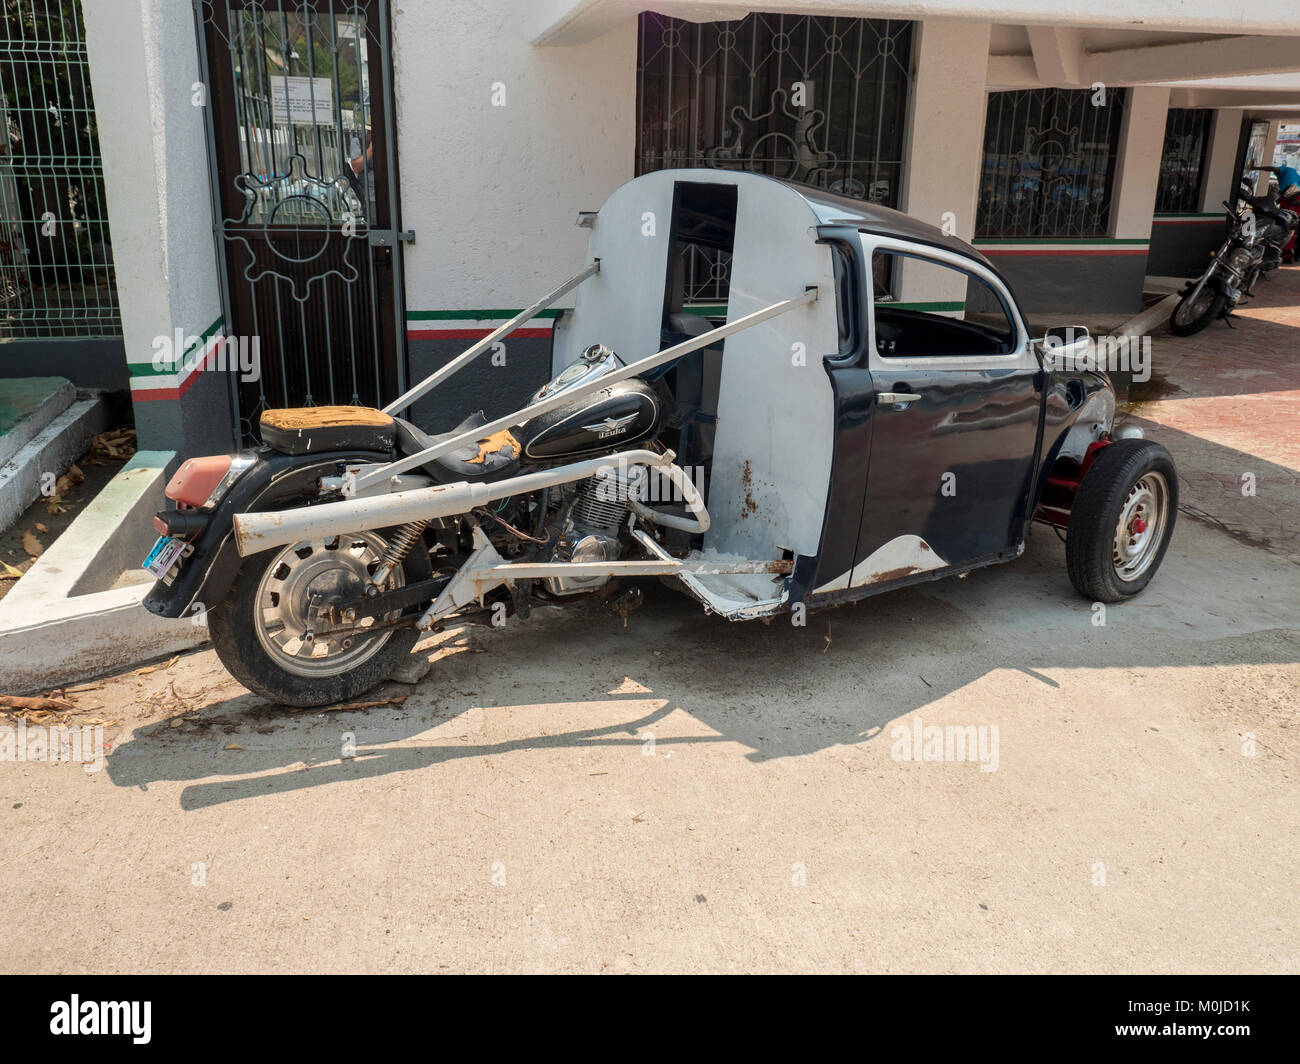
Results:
<point x="833" y="209"/>
<point x="829" y="208"/>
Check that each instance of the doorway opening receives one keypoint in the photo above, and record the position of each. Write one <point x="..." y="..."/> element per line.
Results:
<point x="700" y="245"/>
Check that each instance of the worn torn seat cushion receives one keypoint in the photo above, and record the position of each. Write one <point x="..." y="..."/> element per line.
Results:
<point x="492" y="457"/>
<point x="312" y="429"/>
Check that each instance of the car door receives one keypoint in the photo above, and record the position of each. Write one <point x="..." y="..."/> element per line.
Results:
<point x="955" y="414"/>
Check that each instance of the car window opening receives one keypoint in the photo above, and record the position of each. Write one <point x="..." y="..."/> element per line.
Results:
<point x="944" y="311"/>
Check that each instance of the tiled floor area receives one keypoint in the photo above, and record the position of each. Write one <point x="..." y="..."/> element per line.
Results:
<point x="1226" y="403"/>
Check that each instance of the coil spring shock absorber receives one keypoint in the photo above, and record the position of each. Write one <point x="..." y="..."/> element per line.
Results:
<point x="399" y="547"/>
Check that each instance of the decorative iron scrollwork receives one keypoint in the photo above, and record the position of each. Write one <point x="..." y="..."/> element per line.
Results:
<point x="296" y="216"/>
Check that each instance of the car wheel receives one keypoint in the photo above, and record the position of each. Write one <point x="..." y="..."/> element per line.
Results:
<point x="1121" y="521"/>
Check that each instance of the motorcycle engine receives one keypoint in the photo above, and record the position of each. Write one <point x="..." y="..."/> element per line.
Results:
<point x="593" y="525"/>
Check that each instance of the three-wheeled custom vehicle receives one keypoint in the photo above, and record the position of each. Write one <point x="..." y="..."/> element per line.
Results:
<point x="867" y="411"/>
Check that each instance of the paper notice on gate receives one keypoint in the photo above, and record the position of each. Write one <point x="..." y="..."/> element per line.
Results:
<point x="302" y="101"/>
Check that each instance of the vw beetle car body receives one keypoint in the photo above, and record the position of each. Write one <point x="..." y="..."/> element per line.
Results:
<point x="866" y="410"/>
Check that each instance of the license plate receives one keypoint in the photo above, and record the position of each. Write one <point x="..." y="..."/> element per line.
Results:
<point x="164" y="554"/>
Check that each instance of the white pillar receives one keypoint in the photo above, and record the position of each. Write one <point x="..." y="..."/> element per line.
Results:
<point x="1221" y="163"/>
<point x="1141" y="143"/>
<point x="945" y="142"/>
<point x="144" y="71"/>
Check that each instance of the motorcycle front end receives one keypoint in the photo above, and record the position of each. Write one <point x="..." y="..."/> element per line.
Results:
<point x="1226" y="279"/>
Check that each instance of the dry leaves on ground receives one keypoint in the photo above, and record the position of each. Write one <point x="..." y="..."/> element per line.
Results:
<point x="154" y="668"/>
<point x="34" y="702"/>
<point x="116" y="443"/>
<point x="65" y="483"/>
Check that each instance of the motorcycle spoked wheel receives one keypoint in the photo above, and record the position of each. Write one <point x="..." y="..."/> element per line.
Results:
<point x="1190" y="318"/>
<point x="259" y="630"/>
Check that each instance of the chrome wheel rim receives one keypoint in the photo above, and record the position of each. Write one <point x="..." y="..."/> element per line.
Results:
<point x="1189" y="311"/>
<point x="310" y="576"/>
<point x="1141" y="527"/>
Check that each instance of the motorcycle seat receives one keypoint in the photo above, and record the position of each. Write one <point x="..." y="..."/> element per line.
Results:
<point x="314" y="429"/>
<point x="493" y="457"/>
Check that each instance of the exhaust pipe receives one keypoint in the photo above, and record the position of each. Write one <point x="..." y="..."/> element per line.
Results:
<point x="278" y="528"/>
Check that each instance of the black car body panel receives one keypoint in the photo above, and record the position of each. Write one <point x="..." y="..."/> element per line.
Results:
<point x="996" y="432"/>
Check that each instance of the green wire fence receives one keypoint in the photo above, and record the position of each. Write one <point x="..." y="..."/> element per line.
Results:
<point x="56" y="259"/>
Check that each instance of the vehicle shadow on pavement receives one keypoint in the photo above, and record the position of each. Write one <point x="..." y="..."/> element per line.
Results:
<point x="775" y="690"/>
<point x="1244" y="495"/>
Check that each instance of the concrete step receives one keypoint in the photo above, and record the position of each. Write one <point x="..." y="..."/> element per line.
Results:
<point x="27" y="405"/>
<point x="59" y="443"/>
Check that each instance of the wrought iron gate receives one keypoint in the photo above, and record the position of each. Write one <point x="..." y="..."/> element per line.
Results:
<point x="303" y="157"/>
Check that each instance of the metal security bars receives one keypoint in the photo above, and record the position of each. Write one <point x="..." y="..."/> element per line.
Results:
<point x="1182" y="162"/>
<point x="1049" y="162"/>
<point x="56" y="262"/>
<point x="807" y="98"/>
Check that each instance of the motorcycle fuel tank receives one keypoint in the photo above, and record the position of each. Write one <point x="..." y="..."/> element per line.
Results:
<point x="623" y="413"/>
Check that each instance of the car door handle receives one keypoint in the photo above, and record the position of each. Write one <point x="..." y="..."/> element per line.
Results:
<point x="897" y="399"/>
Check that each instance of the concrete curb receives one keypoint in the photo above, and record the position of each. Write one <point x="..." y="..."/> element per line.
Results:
<point x="77" y="612"/>
<point x="1150" y="319"/>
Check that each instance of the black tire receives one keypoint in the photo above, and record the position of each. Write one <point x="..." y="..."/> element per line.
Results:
<point x="234" y="637"/>
<point x="1092" y="541"/>
<point x="1212" y="313"/>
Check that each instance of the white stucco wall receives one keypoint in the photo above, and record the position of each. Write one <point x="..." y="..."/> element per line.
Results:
<point x="493" y="192"/>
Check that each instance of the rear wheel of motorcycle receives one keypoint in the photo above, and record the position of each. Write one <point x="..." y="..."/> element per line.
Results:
<point x="1121" y="520"/>
<point x="1188" y="319"/>
<point x="259" y="630"/>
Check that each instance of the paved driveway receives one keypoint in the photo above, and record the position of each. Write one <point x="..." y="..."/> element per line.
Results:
<point x="687" y="795"/>
<point x="1227" y="404"/>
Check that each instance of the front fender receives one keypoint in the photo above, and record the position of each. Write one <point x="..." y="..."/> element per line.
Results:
<point x="274" y="481"/>
<point x="1079" y="408"/>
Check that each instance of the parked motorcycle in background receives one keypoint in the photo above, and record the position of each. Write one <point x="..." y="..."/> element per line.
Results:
<point x="1288" y="185"/>
<point x="1260" y="229"/>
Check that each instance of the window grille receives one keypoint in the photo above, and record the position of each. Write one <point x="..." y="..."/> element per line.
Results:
<point x="1049" y="162"/>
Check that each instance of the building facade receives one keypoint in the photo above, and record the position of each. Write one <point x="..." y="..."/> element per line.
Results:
<point x="321" y="202"/>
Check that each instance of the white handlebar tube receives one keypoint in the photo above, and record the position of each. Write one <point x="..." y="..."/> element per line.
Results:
<point x="470" y="353"/>
<point x="633" y="369"/>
